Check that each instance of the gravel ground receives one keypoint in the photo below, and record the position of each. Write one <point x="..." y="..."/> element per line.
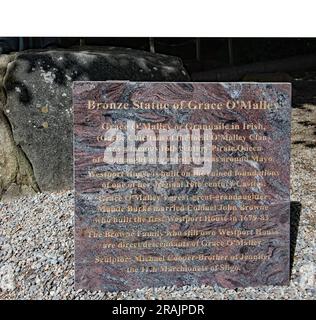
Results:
<point x="37" y="246"/>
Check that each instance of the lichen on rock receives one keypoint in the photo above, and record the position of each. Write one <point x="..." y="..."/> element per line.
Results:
<point x="16" y="175"/>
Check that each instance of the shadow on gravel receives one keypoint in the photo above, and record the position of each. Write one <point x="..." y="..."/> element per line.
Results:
<point x="303" y="93"/>
<point x="295" y="213"/>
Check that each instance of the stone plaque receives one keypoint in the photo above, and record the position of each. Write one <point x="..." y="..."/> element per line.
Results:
<point x="181" y="184"/>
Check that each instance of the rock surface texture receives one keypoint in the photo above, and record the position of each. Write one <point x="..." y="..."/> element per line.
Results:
<point x="16" y="175"/>
<point x="36" y="108"/>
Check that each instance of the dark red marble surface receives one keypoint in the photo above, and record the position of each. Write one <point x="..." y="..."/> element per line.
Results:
<point x="228" y="273"/>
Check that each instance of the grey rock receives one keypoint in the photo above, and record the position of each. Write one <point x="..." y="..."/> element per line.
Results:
<point x="39" y="99"/>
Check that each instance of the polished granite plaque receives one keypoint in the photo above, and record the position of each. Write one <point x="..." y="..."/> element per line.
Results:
<point x="181" y="184"/>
